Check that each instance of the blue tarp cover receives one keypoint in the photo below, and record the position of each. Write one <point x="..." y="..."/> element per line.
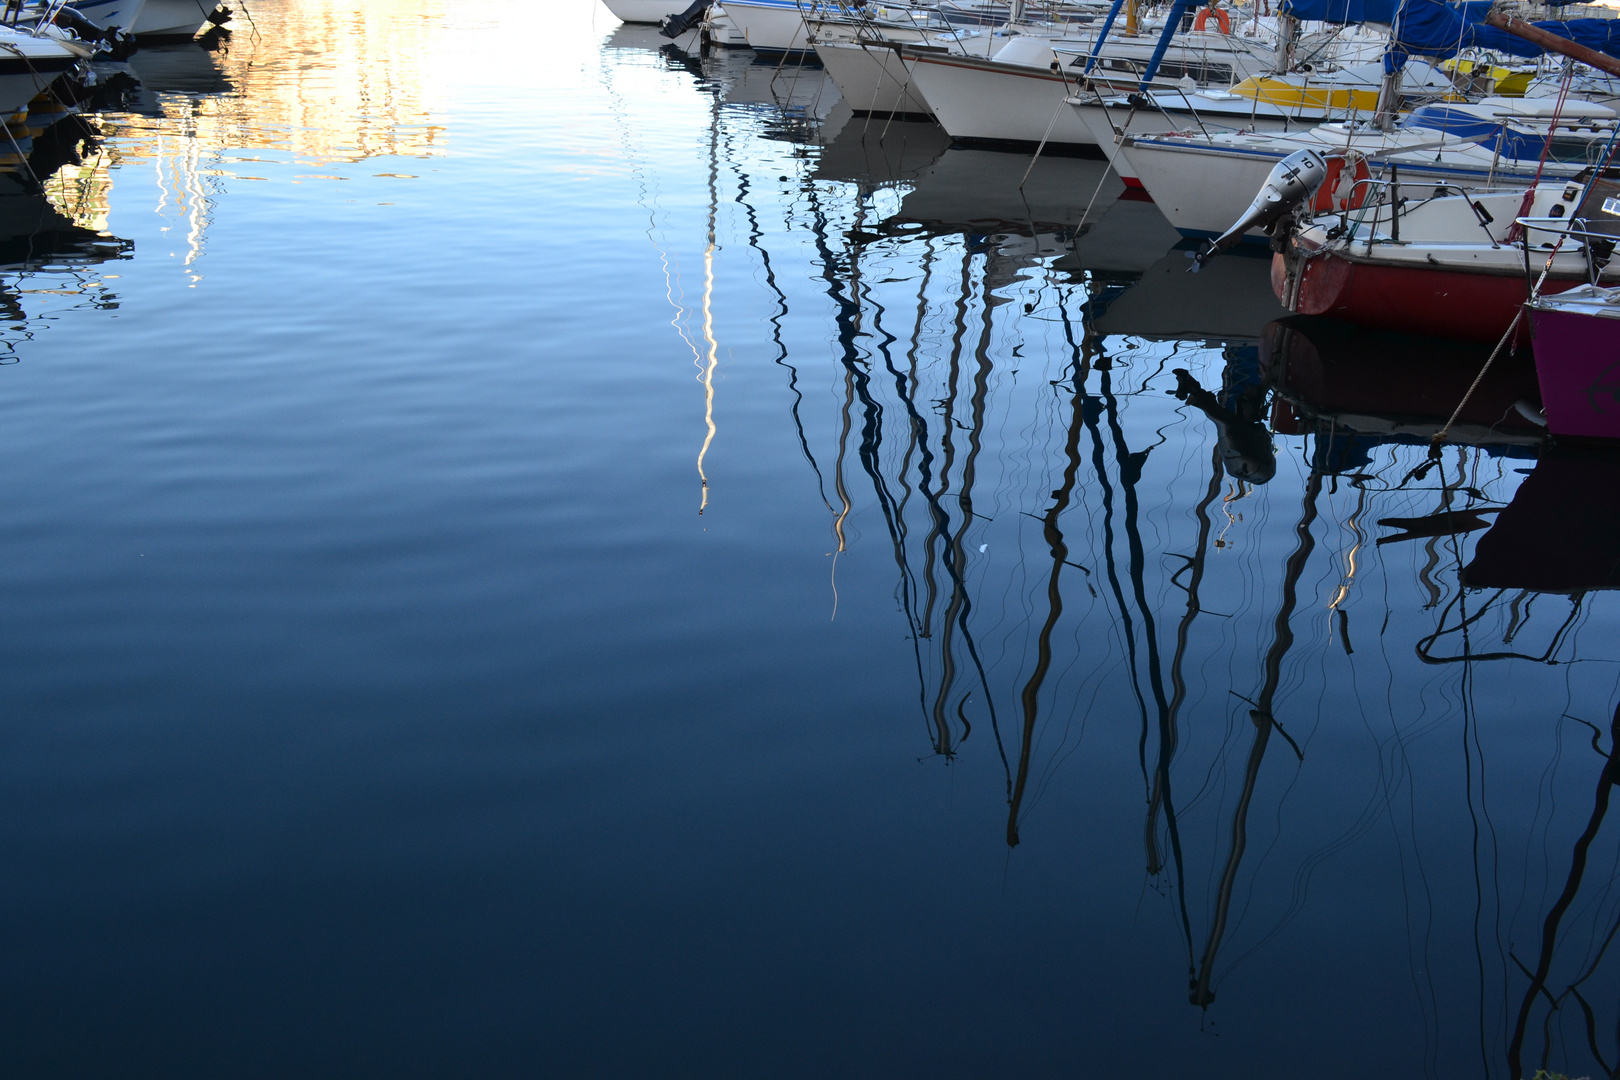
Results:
<point x="1437" y="29"/>
<point x="1340" y="11"/>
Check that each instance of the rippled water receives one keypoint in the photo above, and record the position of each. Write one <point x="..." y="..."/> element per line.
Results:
<point x="529" y="551"/>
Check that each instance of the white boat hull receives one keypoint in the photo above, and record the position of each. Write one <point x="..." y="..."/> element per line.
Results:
<point x="974" y="100"/>
<point x="172" y="18"/>
<point x="113" y="14"/>
<point x="642" y="11"/>
<point x="773" y="26"/>
<point x="1200" y="193"/>
<point x="28" y="65"/>
<point x="1204" y="190"/>
<point x="1107" y="123"/>
<point x="872" y="78"/>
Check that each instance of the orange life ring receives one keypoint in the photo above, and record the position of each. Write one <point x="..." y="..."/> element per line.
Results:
<point x="1222" y="19"/>
<point x="1342" y="188"/>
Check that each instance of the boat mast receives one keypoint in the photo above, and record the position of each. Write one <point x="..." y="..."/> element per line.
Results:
<point x="1287" y="35"/>
<point x="1130" y="18"/>
<point x="1389" y="99"/>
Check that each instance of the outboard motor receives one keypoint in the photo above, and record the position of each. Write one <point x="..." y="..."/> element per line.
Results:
<point x="1292" y="182"/>
<point x="676" y="25"/>
<point x="120" y="43"/>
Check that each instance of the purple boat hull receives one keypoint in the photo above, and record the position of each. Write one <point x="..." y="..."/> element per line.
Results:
<point x="1578" y="366"/>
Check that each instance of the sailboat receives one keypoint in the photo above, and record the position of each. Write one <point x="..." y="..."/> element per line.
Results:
<point x="1019" y="95"/>
<point x="31" y="61"/>
<point x="1455" y="264"/>
<point x="777" y="27"/>
<point x="1312" y="77"/>
<point x="1200" y="179"/>
<point x="861" y="54"/>
<point x="641" y="11"/>
<point x="105" y="14"/>
<point x="172" y="19"/>
<point x="1576" y="336"/>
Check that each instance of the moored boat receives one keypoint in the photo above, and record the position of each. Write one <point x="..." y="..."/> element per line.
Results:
<point x="862" y="57"/>
<point x="642" y="11"/>
<point x="776" y="26"/>
<point x="105" y="14"/>
<point x="30" y="63"/>
<point x="1262" y="103"/>
<point x="172" y="18"/>
<point x="872" y="77"/>
<point x="1203" y="182"/>
<point x="1453" y="265"/>
<point x="1020" y="94"/>
<point x="1576" y="335"/>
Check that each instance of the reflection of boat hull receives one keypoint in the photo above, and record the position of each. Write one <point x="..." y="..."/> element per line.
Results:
<point x="34" y="233"/>
<point x="1383" y="384"/>
<point x="172" y="18"/>
<point x="1126" y="236"/>
<point x="878" y="155"/>
<point x="1578" y="365"/>
<point x="974" y="190"/>
<point x="1561" y="532"/>
<point x="871" y="77"/>
<point x="1228" y="301"/>
<point x="181" y="68"/>
<point x="1408" y="299"/>
<point x="642" y="11"/>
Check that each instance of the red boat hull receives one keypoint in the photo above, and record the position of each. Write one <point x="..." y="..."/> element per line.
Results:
<point x="1409" y="299"/>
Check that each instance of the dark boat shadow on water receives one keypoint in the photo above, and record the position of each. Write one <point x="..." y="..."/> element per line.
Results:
<point x="183" y="68"/>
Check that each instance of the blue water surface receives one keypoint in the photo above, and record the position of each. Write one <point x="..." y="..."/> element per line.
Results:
<point x="533" y="551"/>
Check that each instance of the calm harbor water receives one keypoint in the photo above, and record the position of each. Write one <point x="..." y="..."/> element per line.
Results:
<point x="530" y="551"/>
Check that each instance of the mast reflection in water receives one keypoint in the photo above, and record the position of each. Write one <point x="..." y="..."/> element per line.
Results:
<point x="1119" y="499"/>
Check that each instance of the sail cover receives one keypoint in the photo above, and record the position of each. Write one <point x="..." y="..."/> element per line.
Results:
<point x="1437" y="29"/>
<point x="1340" y="11"/>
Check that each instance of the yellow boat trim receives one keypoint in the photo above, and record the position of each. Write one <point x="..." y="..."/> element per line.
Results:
<point x="1286" y="94"/>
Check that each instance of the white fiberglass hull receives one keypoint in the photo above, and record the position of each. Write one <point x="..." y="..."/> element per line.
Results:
<point x="1101" y="125"/>
<point x="113" y="14"/>
<point x="774" y="26"/>
<point x="1201" y="193"/>
<point x="1106" y="123"/>
<point x="977" y="100"/>
<point x="642" y="11"/>
<point x="1202" y="189"/>
<point x="172" y="18"/>
<point x="28" y="65"/>
<point x="872" y="78"/>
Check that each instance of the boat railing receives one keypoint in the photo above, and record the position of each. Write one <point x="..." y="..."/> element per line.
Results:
<point x="1392" y="187"/>
<point x="1566" y="226"/>
<point x="1597" y="244"/>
